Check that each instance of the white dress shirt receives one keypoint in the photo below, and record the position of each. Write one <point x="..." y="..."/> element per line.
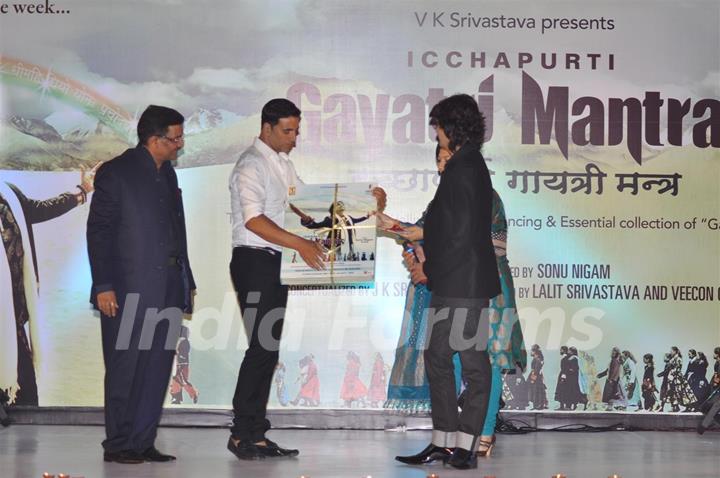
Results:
<point x="259" y="184"/>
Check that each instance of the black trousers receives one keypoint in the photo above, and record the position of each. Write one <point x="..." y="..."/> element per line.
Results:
<point x="462" y="326"/>
<point x="137" y="376"/>
<point x="256" y="278"/>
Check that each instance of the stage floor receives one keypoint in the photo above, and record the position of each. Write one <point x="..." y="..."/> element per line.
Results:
<point x="27" y="451"/>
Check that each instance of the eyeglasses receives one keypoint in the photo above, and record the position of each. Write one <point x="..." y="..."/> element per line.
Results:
<point x="176" y="140"/>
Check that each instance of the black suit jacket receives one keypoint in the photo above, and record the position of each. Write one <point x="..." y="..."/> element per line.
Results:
<point x="127" y="230"/>
<point x="460" y="258"/>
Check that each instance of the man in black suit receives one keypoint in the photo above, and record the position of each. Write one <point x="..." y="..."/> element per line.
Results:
<point x="142" y="282"/>
<point x="462" y="275"/>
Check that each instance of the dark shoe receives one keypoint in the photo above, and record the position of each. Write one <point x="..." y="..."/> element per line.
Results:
<point x="244" y="450"/>
<point x="273" y="450"/>
<point x="430" y="454"/>
<point x="153" y="454"/>
<point x="127" y="457"/>
<point x="462" y="459"/>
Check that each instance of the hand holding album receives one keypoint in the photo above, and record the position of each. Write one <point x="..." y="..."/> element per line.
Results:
<point x="388" y="224"/>
<point x="411" y="233"/>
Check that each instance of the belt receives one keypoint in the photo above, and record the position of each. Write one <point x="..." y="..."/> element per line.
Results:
<point x="269" y="250"/>
<point x="173" y="261"/>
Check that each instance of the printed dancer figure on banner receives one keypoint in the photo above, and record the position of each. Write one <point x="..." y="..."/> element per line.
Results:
<point x="649" y="389"/>
<point x="561" y="389"/>
<point x="181" y="380"/>
<point x="695" y="374"/>
<point x="536" y="379"/>
<point x="309" y="394"/>
<point x="630" y="381"/>
<point x="613" y="393"/>
<point x="19" y="318"/>
<point x="353" y="389"/>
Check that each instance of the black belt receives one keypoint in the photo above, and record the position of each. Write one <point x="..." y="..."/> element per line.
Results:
<point x="173" y="261"/>
<point x="269" y="250"/>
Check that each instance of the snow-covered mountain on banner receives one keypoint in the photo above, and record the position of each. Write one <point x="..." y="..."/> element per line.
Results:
<point x="62" y="141"/>
<point x="205" y="119"/>
<point x="34" y="127"/>
<point x="75" y="125"/>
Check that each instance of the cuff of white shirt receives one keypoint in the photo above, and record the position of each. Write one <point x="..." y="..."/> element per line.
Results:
<point x="251" y="212"/>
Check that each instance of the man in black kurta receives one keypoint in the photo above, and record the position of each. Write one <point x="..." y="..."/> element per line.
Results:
<point x="142" y="282"/>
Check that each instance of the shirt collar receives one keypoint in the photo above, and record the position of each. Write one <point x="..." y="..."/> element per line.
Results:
<point x="268" y="152"/>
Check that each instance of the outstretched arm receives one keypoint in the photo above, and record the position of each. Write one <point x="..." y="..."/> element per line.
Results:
<point x="40" y="211"/>
<point x="311" y="223"/>
<point x="304" y="218"/>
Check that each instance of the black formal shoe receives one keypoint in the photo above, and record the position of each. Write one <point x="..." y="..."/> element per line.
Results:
<point x="273" y="450"/>
<point x="430" y="454"/>
<point x="153" y="454"/>
<point x="244" y="450"/>
<point x="127" y="457"/>
<point x="462" y="459"/>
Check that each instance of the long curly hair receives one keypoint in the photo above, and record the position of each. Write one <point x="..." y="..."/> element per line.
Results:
<point x="461" y="120"/>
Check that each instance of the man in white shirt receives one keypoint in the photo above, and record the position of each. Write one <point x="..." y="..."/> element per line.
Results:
<point x="259" y="189"/>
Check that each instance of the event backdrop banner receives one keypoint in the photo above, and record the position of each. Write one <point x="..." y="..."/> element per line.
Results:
<point x="603" y="129"/>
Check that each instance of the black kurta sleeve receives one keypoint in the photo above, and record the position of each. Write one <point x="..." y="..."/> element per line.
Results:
<point x="40" y="211"/>
<point x="327" y="222"/>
